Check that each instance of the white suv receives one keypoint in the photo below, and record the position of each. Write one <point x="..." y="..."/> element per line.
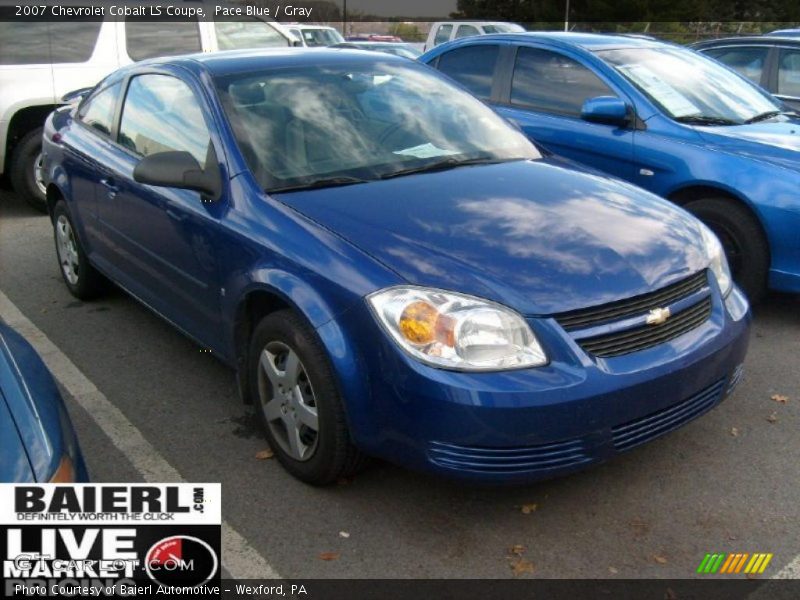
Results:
<point x="42" y="61"/>
<point x="444" y="31"/>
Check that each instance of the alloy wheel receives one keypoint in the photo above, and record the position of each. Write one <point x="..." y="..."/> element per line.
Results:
<point x="67" y="249"/>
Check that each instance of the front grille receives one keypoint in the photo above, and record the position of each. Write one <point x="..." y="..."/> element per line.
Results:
<point x="509" y="460"/>
<point x="640" y="338"/>
<point x="644" y="429"/>
<point x="589" y="317"/>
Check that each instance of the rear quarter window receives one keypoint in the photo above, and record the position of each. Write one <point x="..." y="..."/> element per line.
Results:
<point x="145" y="38"/>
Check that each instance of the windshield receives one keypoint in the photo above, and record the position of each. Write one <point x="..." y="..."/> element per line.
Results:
<point x="247" y="33"/>
<point x="503" y="28"/>
<point x="689" y="87"/>
<point x="305" y="126"/>
<point x="321" y="37"/>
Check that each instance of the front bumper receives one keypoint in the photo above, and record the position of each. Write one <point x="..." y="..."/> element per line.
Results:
<point x="531" y="424"/>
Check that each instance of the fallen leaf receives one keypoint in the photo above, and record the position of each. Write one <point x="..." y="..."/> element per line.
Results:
<point x="328" y="555"/>
<point x="773" y="418"/>
<point x="528" y="508"/>
<point x="265" y="454"/>
<point x="344" y="534"/>
<point x="613" y="571"/>
<point x="670" y="594"/>
<point x="662" y="560"/>
<point x="517" y="550"/>
<point x="780" y="398"/>
<point x="520" y="566"/>
<point x="734" y="431"/>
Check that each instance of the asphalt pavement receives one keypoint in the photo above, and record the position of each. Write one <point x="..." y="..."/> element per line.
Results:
<point x="727" y="482"/>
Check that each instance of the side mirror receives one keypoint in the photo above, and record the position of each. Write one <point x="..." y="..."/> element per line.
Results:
<point x="606" y="109"/>
<point x="179" y="170"/>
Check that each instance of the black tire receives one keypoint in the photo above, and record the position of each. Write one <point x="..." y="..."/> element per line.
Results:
<point x="334" y="456"/>
<point x="88" y="283"/>
<point x="742" y="238"/>
<point x="22" y="170"/>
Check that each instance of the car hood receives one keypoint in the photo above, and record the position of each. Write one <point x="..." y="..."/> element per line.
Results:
<point x="14" y="463"/>
<point x="532" y="235"/>
<point x="773" y="141"/>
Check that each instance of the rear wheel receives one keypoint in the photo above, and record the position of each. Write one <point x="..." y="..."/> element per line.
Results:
<point x="26" y="170"/>
<point x="741" y="237"/>
<point x="298" y="401"/>
<point x="81" y="278"/>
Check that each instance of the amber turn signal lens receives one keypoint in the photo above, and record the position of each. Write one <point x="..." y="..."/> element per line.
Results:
<point x="65" y="472"/>
<point x="418" y="322"/>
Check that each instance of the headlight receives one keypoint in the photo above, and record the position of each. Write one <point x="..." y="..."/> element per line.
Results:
<point x="455" y="331"/>
<point x="717" y="261"/>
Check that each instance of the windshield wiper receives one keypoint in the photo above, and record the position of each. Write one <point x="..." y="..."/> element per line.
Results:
<point x="766" y="115"/>
<point x="319" y="183"/>
<point x="451" y="162"/>
<point x="705" y="120"/>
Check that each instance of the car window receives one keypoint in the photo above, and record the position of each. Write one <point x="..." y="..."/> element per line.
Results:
<point x="442" y="34"/>
<point x="553" y="83"/>
<point x="789" y="74"/>
<point x="747" y="61"/>
<point x="145" y="38"/>
<point x="472" y="67"/>
<point x="98" y="110"/>
<point x="466" y="31"/>
<point x="247" y="33"/>
<point x="161" y="114"/>
<point x="73" y="41"/>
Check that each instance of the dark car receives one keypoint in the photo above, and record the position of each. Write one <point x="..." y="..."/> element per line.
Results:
<point x="771" y="61"/>
<point x="37" y="442"/>
<point x="391" y="267"/>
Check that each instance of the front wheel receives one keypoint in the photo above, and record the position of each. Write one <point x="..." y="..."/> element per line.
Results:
<point x="745" y="245"/>
<point x="81" y="278"/>
<point x="298" y="401"/>
<point x="26" y="171"/>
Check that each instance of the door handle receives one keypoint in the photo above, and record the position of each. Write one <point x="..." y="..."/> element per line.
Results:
<point x="110" y="185"/>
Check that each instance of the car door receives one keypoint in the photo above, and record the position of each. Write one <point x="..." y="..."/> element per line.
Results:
<point x="787" y="77"/>
<point x="162" y="239"/>
<point x="544" y="94"/>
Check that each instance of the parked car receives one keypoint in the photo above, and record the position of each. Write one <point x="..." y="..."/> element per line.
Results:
<point x="444" y="31"/>
<point x="313" y="36"/>
<point x="663" y="117"/>
<point x="373" y="37"/>
<point x="785" y="32"/>
<point x="37" y="442"/>
<point x="771" y="62"/>
<point x="404" y="50"/>
<point x="392" y="268"/>
<point x="44" y="60"/>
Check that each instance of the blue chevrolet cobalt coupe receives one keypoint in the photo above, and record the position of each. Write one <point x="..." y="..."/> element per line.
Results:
<point x="663" y="117"/>
<point x="391" y="268"/>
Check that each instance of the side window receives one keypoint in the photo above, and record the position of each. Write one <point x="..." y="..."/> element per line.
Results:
<point x="472" y="67"/>
<point x="161" y="114"/>
<point x="145" y="38"/>
<point x="71" y="40"/>
<point x="746" y="61"/>
<point x="442" y="34"/>
<point x="466" y="31"/>
<point x="789" y="74"/>
<point x="549" y="82"/>
<point x="247" y="33"/>
<point x="98" y="111"/>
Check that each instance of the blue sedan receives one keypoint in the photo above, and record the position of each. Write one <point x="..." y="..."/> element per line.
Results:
<point x="37" y="443"/>
<point x="391" y="268"/>
<point x="663" y="117"/>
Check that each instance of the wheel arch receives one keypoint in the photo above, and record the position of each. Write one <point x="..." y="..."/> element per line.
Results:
<point x="22" y="122"/>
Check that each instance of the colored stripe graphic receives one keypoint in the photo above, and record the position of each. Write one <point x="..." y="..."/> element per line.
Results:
<point x="724" y="563"/>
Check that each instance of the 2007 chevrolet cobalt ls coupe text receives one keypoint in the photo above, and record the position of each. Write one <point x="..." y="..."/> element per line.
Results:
<point x="392" y="269"/>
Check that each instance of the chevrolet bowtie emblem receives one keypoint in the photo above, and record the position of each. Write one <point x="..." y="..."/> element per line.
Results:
<point x="657" y="316"/>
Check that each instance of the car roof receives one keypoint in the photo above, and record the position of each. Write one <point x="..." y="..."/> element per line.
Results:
<point x="237" y="61"/>
<point x="588" y="41"/>
<point x="770" y="40"/>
